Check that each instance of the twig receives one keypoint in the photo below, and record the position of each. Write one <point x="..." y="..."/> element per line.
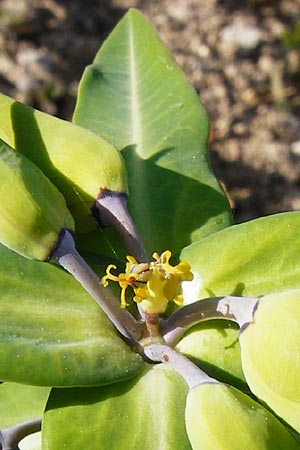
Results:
<point x="238" y="309"/>
<point x="192" y="374"/>
<point x="10" y="437"/>
<point x="110" y="209"/>
<point x="67" y="256"/>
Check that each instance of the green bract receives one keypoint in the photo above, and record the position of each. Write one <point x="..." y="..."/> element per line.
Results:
<point x="214" y="346"/>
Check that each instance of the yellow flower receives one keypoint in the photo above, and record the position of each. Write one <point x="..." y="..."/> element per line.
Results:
<point x="154" y="284"/>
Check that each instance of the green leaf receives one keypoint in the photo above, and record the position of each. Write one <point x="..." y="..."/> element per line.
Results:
<point x="19" y="403"/>
<point x="136" y="97"/>
<point x="219" y="417"/>
<point x="24" y="187"/>
<point x="77" y="161"/>
<point x="250" y="259"/>
<point x="143" y="413"/>
<point x="274" y="336"/>
<point x="52" y="333"/>
<point x="214" y="346"/>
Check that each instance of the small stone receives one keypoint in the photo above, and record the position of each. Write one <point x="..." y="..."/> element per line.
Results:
<point x="239" y="36"/>
<point x="295" y="148"/>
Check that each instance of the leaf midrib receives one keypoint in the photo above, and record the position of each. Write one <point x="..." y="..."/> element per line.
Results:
<point x="134" y="102"/>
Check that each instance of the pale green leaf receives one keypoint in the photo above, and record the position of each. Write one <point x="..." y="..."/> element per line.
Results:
<point x="219" y="417"/>
<point x="251" y="259"/>
<point x="19" y="403"/>
<point x="214" y="346"/>
<point x="143" y="413"/>
<point x="274" y="336"/>
<point x="136" y="97"/>
<point x="52" y="333"/>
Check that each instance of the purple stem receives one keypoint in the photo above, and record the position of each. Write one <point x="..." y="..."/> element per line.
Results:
<point x="10" y="437"/>
<point x="238" y="309"/>
<point x="67" y="256"/>
<point x="192" y="374"/>
<point x="110" y="209"/>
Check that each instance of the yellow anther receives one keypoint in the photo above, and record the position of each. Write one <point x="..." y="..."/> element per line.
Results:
<point x="154" y="284"/>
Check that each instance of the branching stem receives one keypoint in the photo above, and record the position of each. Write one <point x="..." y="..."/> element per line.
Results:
<point x="238" y="309"/>
<point x="110" y="209"/>
<point x="10" y="437"/>
<point x="67" y="256"/>
<point x="192" y="374"/>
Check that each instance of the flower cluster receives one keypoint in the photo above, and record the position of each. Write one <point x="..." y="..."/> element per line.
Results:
<point x="154" y="284"/>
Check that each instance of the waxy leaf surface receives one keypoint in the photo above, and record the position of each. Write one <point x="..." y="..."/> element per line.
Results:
<point x="270" y="349"/>
<point x="51" y="331"/>
<point x="24" y="187"/>
<point x="251" y="259"/>
<point x="77" y="161"/>
<point x="136" y="97"/>
<point x="214" y="346"/>
<point x="219" y="417"/>
<point x="143" y="413"/>
<point x="19" y="403"/>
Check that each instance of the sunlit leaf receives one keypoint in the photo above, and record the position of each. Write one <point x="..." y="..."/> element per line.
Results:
<point x="143" y="413"/>
<point x="77" y="161"/>
<point x="274" y="336"/>
<point x="51" y="331"/>
<point x="250" y="259"/>
<point x="136" y="97"/>
<point x="214" y="346"/>
<point x="19" y="403"/>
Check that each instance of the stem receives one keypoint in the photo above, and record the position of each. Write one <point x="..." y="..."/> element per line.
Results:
<point x="192" y="374"/>
<point x="10" y="437"/>
<point x="238" y="309"/>
<point x="110" y="209"/>
<point x="67" y="256"/>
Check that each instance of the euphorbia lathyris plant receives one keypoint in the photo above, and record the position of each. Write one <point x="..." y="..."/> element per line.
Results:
<point x="173" y="351"/>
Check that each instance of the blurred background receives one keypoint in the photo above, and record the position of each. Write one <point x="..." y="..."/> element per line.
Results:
<point x="242" y="57"/>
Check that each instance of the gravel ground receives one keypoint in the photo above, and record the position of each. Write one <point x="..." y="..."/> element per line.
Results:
<point x="243" y="58"/>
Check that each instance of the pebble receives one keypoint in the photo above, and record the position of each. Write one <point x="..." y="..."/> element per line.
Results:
<point x="295" y="148"/>
<point x="239" y="36"/>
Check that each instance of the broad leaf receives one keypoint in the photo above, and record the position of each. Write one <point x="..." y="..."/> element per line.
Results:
<point x="77" y="161"/>
<point x="51" y="331"/>
<point x="274" y="336"/>
<point x="219" y="417"/>
<point x="136" y="97"/>
<point x="19" y="403"/>
<point x="214" y="346"/>
<point x="250" y="259"/>
<point x="145" y="413"/>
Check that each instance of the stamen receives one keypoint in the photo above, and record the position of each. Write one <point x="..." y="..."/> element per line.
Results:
<point x="154" y="284"/>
